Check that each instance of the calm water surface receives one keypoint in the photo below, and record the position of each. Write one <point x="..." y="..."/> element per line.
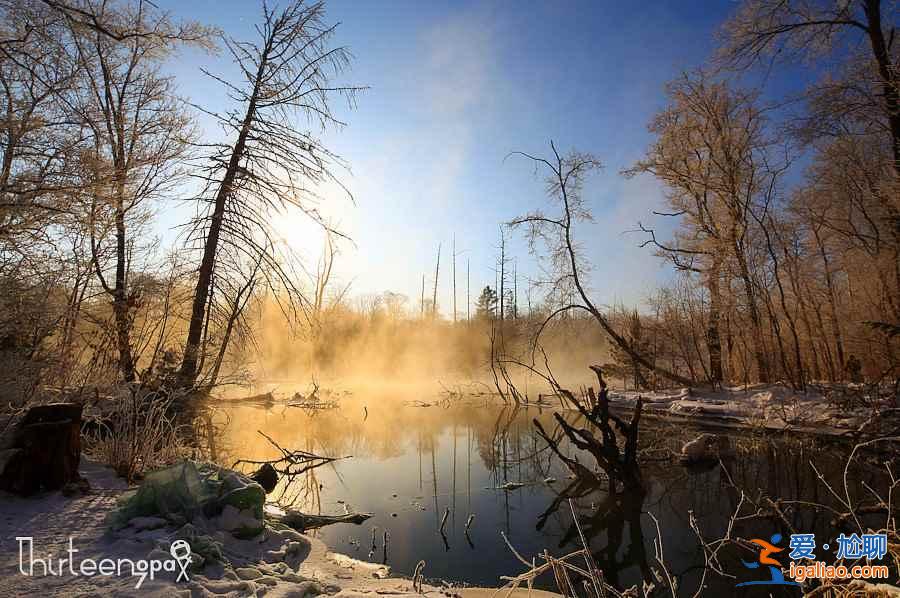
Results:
<point x="411" y="464"/>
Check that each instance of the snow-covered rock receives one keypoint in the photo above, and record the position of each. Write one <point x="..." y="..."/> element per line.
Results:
<point x="701" y="448"/>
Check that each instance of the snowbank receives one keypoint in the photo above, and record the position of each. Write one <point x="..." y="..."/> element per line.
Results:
<point x="769" y="406"/>
<point x="278" y="563"/>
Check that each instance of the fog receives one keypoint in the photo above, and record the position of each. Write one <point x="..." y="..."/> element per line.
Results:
<point x="352" y="349"/>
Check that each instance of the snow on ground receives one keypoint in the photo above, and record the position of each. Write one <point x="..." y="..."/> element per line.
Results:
<point x="279" y="563"/>
<point x="770" y="406"/>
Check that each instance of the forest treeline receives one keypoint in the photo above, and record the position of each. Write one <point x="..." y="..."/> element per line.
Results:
<point x="96" y="142"/>
<point x="786" y="210"/>
<point x="789" y="228"/>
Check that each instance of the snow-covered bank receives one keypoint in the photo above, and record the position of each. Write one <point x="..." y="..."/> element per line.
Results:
<point x="278" y="563"/>
<point x="766" y="406"/>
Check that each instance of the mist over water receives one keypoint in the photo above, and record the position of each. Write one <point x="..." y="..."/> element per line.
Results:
<point x="382" y="347"/>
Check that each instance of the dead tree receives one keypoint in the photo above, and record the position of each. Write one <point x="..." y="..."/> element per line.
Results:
<point x="564" y="183"/>
<point x="437" y="272"/>
<point x="453" y="269"/>
<point x="273" y="163"/>
<point x="618" y="464"/>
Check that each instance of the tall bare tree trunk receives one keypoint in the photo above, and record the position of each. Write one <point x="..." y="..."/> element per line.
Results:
<point x="453" y="250"/>
<point x="437" y="272"/>
<point x="889" y="80"/>
<point x="241" y="299"/>
<point x="804" y="317"/>
<point x="188" y="372"/>
<point x="468" y="293"/>
<point x="759" y="352"/>
<point x="832" y="304"/>
<point x="713" y="339"/>
<point x="502" y="273"/>
<point x="833" y="373"/>
<point x="120" y="297"/>
<point x="800" y="375"/>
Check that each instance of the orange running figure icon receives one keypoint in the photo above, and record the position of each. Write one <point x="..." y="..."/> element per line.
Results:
<point x="768" y="549"/>
<point x="776" y="577"/>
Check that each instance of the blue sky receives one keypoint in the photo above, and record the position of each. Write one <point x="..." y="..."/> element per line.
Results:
<point x="456" y="86"/>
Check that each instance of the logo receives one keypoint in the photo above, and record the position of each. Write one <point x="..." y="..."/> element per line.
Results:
<point x="853" y="548"/>
<point x="141" y="569"/>
<point x="775" y="574"/>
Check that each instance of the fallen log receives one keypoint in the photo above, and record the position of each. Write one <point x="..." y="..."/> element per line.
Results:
<point x="265" y="398"/>
<point x="303" y="522"/>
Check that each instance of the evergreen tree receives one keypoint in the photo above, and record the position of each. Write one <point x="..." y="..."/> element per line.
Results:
<point x="486" y="304"/>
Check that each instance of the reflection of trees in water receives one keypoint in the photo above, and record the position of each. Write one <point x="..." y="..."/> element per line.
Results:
<point x="761" y="467"/>
<point x="303" y="491"/>
<point x="609" y="514"/>
<point x="511" y="451"/>
<point x="505" y="443"/>
<point x="501" y="436"/>
<point x="389" y="431"/>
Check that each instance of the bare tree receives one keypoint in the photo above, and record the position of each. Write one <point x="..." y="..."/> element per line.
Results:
<point x="324" y="272"/>
<point x="84" y="16"/>
<point x="38" y="143"/>
<point x="852" y="196"/>
<point x="437" y="272"/>
<point x="138" y="135"/>
<point x="237" y="299"/>
<point x="468" y="293"/>
<point x="271" y="165"/>
<point x="553" y="235"/>
<point x="711" y="154"/>
<point x="809" y="29"/>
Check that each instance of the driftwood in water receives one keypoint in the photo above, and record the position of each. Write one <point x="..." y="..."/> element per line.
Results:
<point x="291" y="463"/>
<point x="311" y="402"/>
<point x="288" y="468"/>
<point x="619" y="464"/>
<point x="266" y="398"/>
<point x="303" y="522"/>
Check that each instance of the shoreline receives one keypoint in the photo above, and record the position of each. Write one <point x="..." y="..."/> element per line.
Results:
<point x="278" y="563"/>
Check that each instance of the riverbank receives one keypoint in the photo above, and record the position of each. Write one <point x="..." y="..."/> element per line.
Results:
<point x="279" y="563"/>
<point x="823" y="411"/>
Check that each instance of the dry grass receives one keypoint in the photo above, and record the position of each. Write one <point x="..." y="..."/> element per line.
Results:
<point x="138" y="434"/>
<point x="576" y="574"/>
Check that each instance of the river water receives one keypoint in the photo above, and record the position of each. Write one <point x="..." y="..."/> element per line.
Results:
<point x="410" y="464"/>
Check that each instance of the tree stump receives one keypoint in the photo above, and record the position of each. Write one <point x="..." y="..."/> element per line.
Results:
<point x="42" y="449"/>
<point x="619" y="464"/>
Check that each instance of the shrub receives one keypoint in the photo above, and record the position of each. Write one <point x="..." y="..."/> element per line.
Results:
<point x="137" y="433"/>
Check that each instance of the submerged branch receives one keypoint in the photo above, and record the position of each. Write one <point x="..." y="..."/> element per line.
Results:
<point x="303" y="522"/>
<point x="292" y="462"/>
